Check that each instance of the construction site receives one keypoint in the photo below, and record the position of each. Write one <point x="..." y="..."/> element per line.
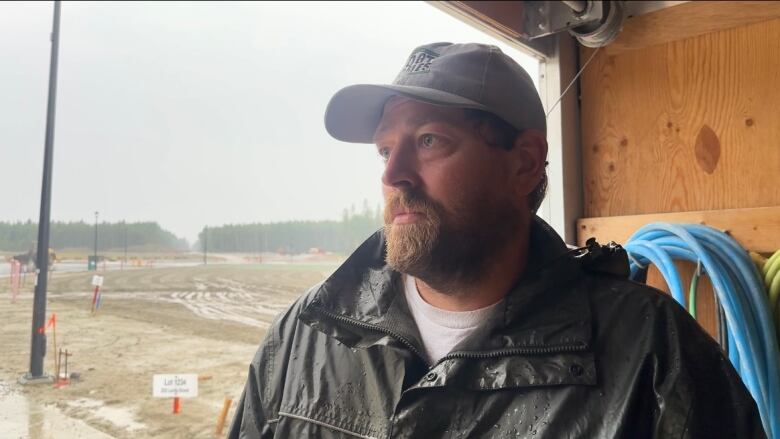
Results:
<point x="206" y="320"/>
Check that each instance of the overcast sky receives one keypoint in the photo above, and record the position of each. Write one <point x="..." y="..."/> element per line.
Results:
<point x="194" y="114"/>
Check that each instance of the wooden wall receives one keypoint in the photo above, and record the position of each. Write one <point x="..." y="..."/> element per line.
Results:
<point x="682" y="126"/>
<point x="686" y="125"/>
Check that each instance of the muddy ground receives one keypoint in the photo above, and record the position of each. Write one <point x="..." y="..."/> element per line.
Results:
<point x="205" y="320"/>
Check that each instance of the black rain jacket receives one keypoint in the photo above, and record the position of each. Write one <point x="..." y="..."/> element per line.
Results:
<point x="578" y="352"/>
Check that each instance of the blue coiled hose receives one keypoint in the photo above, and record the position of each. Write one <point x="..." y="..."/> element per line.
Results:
<point x="737" y="283"/>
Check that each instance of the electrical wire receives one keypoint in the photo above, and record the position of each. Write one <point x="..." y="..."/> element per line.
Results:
<point x="771" y="272"/>
<point x="751" y="340"/>
<point x="572" y="82"/>
<point x="770" y="269"/>
<point x="720" y="318"/>
<point x="692" y="291"/>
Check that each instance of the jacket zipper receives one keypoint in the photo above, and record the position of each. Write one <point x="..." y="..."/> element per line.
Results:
<point x="538" y="350"/>
<point x="369" y="326"/>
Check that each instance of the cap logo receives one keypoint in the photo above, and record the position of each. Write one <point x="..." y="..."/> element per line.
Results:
<point x="420" y="61"/>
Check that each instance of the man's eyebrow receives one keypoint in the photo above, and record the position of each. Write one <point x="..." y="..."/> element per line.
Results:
<point x="418" y="121"/>
<point x="378" y="133"/>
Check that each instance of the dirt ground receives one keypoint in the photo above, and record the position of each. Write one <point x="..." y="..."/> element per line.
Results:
<point x="205" y="320"/>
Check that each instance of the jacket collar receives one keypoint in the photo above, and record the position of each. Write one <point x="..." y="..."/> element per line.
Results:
<point x="544" y="309"/>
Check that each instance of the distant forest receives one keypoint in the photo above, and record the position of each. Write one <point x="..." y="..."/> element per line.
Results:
<point x="141" y="236"/>
<point x="294" y="236"/>
<point x="339" y="236"/>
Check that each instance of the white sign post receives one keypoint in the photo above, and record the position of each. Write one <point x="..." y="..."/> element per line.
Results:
<point x="172" y="385"/>
<point x="175" y="386"/>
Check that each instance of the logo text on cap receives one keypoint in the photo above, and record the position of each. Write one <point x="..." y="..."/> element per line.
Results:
<point x="420" y="61"/>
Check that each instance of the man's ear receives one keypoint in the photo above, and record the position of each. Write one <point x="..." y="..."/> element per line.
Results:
<point x="529" y="159"/>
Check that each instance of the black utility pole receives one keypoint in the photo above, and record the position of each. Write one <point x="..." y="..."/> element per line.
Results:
<point x="205" y="245"/>
<point x="38" y="342"/>
<point x="95" y="254"/>
<point x="124" y="223"/>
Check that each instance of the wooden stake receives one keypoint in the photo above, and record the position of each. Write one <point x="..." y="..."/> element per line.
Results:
<point x="222" y="415"/>
<point x="56" y="359"/>
<point x="57" y="363"/>
<point x="66" y="364"/>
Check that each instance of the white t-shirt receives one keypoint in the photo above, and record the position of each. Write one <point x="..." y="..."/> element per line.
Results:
<point x="441" y="330"/>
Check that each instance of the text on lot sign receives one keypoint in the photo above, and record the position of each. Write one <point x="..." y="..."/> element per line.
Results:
<point x="173" y="385"/>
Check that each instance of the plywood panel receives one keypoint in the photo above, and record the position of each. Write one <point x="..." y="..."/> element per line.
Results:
<point x="687" y="125"/>
<point x="756" y="229"/>
<point x="688" y="20"/>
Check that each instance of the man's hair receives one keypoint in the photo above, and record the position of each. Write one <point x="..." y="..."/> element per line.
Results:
<point x="499" y="133"/>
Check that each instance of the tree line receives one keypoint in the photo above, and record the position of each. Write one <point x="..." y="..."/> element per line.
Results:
<point x="139" y="236"/>
<point x="339" y="236"/>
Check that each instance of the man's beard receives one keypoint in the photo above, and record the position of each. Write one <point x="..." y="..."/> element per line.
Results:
<point x="448" y="249"/>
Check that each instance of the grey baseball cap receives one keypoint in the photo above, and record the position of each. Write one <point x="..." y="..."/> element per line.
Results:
<point x="475" y="76"/>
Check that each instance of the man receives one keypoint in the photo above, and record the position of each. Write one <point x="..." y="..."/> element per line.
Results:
<point x="468" y="316"/>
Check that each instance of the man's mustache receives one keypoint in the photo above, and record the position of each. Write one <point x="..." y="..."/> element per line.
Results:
<point x="410" y="201"/>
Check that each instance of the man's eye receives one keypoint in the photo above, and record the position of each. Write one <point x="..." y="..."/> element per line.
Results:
<point x="428" y="140"/>
<point x="384" y="153"/>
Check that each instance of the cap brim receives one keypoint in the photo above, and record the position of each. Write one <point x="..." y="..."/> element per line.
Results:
<point x="354" y="112"/>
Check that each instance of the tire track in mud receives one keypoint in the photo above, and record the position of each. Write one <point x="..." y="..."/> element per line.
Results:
<point x="221" y="299"/>
<point x="248" y="295"/>
<point x="231" y="300"/>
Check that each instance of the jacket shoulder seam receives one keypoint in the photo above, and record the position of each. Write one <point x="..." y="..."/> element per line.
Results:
<point x="325" y="424"/>
<point x="621" y="281"/>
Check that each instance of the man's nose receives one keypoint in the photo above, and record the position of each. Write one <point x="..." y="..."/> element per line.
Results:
<point x="401" y="168"/>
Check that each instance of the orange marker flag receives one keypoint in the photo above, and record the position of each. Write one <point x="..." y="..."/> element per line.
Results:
<point x="51" y="323"/>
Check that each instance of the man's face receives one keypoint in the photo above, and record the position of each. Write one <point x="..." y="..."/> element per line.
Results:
<point x="449" y="195"/>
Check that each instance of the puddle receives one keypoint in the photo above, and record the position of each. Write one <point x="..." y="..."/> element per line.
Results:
<point x="23" y="419"/>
